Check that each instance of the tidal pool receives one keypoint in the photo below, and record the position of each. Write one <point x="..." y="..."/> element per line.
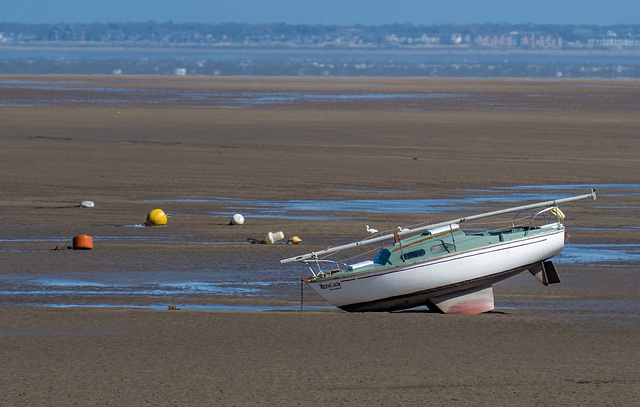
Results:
<point x="470" y="200"/>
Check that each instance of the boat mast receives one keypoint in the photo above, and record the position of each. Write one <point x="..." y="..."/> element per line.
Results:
<point x="314" y="255"/>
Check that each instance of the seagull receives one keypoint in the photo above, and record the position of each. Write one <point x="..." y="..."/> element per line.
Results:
<point x="371" y="230"/>
<point x="400" y="228"/>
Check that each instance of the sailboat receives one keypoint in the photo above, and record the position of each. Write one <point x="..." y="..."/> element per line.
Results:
<point x="440" y="265"/>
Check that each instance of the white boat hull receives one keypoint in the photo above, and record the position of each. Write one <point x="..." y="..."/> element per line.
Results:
<point x="414" y="284"/>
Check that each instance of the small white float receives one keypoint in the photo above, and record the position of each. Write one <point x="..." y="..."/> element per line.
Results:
<point x="237" y="219"/>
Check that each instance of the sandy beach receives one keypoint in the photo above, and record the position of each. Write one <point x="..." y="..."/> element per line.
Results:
<point x="137" y="357"/>
<point x="201" y="148"/>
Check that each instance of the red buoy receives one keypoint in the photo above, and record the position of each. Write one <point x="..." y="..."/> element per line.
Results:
<point x="82" y="242"/>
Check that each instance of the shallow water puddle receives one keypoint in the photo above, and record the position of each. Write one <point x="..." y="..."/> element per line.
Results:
<point x="599" y="253"/>
<point x="575" y="187"/>
<point x="156" y="239"/>
<point x="624" y="228"/>
<point x="284" y="216"/>
<point x="236" y="280"/>
<point x="37" y="82"/>
<point x="166" y="284"/>
<point x="473" y="201"/>
<point x="253" y="99"/>
<point x="34" y="239"/>
<point x="204" y="99"/>
<point x="191" y="307"/>
<point x="577" y="304"/>
<point x="58" y="286"/>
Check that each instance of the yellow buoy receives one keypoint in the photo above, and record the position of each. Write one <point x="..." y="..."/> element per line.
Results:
<point x="295" y="240"/>
<point x="156" y="217"/>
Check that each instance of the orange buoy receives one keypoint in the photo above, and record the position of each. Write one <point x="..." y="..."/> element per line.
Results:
<point x="82" y="242"/>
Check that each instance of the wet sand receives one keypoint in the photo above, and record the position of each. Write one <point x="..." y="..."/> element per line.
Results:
<point x="137" y="357"/>
<point x="124" y="154"/>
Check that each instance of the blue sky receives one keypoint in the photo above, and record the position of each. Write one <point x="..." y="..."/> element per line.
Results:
<point x="340" y="12"/>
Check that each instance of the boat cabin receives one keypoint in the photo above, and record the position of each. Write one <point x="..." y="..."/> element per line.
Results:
<point x="437" y="243"/>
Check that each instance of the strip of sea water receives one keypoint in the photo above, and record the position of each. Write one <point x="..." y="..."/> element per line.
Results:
<point x="206" y="288"/>
<point x="467" y="200"/>
<point x="85" y="93"/>
<point x="208" y="61"/>
<point x="120" y="94"/>
<point x="267" y="283"/>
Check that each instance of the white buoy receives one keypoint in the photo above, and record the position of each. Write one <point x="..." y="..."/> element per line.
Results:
<point x="237" y="219"/>
<point x="274" y="237"/>
<point x="87" y="204"/>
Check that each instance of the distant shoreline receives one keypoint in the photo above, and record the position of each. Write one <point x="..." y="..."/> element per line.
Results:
<point x="97" y="58"/>
<point x="487" y="36"/>
<point x="441" y="50"/>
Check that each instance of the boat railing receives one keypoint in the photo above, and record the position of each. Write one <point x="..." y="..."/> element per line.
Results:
<point x="521" y="220"/>
<point x="547" y="215"/>
<point x="337" y="266"/>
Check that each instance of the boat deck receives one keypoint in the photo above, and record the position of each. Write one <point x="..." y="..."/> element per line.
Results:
<point x="435" y="244"/>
